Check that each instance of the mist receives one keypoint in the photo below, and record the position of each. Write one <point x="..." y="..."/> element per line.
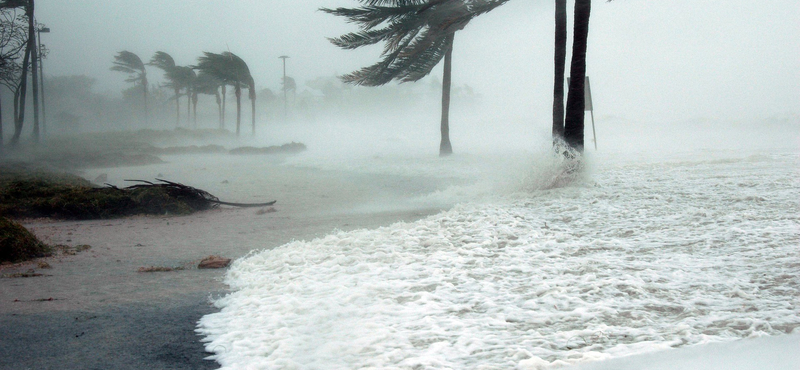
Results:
<point x="649" y="63"/>
<point x="675" y="226"/>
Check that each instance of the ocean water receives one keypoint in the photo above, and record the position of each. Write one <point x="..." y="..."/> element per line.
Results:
<point x="529" y="269"/>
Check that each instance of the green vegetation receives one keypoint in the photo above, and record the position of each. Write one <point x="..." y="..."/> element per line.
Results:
<point x="18" y="244"/>
<point x="26" y="192"/>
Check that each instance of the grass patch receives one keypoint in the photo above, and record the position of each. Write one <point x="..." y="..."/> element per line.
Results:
<point x="37" y="193"/>
<point x="18" y="244"/>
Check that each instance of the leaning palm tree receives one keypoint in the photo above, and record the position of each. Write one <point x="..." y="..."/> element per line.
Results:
<point x="576" y="104"/>
<point x="232" y="70"/>
<point x="560" y="58"/>
<point x="166" y="63"/>
<point x="183" y="78"/>
<point x="417" y="35"/>
<point x="207" y="84"/>
<point x="131" y="64"/>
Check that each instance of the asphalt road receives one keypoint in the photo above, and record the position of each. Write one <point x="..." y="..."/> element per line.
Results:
<point x="140" y="336"/>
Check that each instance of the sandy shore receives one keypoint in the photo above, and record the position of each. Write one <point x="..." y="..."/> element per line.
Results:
<point x="94" y="310"/>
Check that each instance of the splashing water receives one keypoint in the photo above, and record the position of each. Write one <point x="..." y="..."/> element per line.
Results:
<point x="638" y="258"/>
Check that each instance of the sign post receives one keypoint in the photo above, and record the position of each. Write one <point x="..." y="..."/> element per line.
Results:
<point x="587" y="94"/>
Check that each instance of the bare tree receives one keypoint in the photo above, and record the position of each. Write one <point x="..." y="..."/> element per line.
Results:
<point x="13" y="40"/>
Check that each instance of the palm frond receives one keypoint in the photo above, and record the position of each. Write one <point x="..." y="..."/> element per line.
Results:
<point x="162" y="61"/>
<point x="414" y="32"/>
<point x="128" y="60"/>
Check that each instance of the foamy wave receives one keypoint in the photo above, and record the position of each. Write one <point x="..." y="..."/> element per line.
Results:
<point x="641" y="259"/>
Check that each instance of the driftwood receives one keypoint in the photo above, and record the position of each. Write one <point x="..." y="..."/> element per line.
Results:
<point x="179" y="189"/>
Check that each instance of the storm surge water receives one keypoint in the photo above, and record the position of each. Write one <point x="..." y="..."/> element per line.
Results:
<point x="530" y="273"/>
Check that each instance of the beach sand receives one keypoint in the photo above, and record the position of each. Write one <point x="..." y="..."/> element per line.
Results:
<point x="94" y="310"/>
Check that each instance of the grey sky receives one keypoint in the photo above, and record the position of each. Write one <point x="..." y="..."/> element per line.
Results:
<point x="648" y="60"/>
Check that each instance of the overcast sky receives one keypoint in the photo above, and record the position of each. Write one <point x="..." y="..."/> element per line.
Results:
<point x="648" y="60"/>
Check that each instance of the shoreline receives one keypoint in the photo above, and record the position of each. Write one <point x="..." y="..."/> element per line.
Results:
<point x="105" y="314"/>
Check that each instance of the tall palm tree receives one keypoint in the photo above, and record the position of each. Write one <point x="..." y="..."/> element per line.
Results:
<point x="560" y="57"/>
<point x="417" y="35"/>
<point x="573" y="124"/>
<point x="130" y="63"/>
<point x="232" y="70"/>
<point x="166" y="63"/>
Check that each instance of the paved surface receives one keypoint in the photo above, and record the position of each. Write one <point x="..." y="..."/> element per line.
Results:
<point x="139" y="336"/>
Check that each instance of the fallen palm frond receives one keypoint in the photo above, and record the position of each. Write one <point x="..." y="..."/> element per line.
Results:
<point x="190" y="194"/>
<point x="69" y="197"/>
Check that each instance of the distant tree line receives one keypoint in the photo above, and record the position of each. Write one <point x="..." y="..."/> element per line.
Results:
<point x="212" y="74"/>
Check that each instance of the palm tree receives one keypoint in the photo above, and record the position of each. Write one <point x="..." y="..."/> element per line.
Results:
<point x="573" y="124"/>
<point x="209" y="85"/>
<point x="131" y="64"/>
<point x="560" y="58"/>
<point x="417" y="35"/>
<point x="166" y="63"/>
<point x="184" y="77"/>
<point x="230" y="69"/>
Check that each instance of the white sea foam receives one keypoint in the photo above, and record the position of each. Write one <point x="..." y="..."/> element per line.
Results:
<point x="637" y="258"/>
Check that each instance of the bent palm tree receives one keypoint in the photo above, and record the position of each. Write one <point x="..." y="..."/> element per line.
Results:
<point x="208" y="85"/>
<point x="232" y="70"/>
<point x="183" y="78"/>
<point x="417" y="35"/>
<point x="131" y="64"/>
<point x="165" y="62"/>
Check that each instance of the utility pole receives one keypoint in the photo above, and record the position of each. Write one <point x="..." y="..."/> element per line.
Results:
<point x="42" y="54"/>
<point x="285" y="104"/>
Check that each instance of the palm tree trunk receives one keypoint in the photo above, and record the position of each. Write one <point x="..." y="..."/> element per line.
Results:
<point x="177" y="107"/>
<point x="445" y="148"/>
<point x="219" y="109"/>
<point x="253" y="108"/>
<point x="144" y="88"/>
<point x="188" y="108"/>
<point x="1" y="127"/>
<point x="194" y="109"/>
<point x="224" y="96"/>
<point x="238" y="91"/>
<point x="34" y="69"/>
<point x="560" y="66"/>
<point x="19" y="96"/>
<point x="573" y="125"/>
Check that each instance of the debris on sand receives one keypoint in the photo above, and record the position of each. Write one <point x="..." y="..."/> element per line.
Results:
<point x="214" y="262"/>
<point x="263" y="211"/>
<point x="26" y="274"/>
<point x="159" y="269"/>
<point x="43" y="194"/>
<point x="71" y="251"/>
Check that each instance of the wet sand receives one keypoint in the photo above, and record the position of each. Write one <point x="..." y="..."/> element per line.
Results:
<point x="104" y="314"/>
